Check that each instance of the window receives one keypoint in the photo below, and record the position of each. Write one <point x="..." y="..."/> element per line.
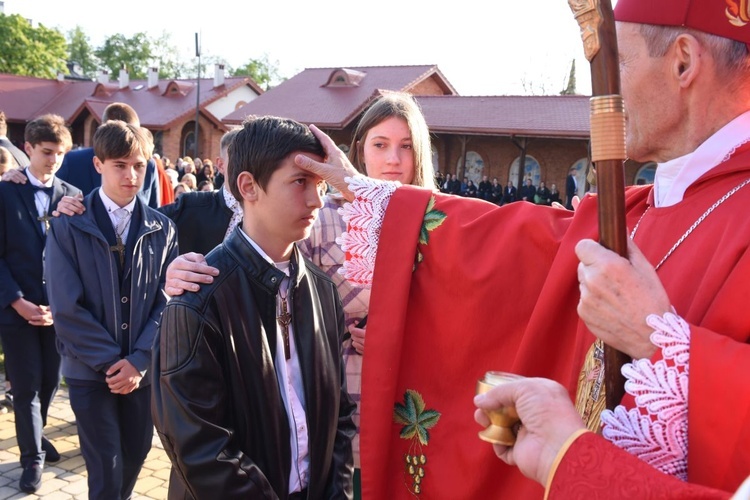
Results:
<point x="581" y="166"/>
<point x="474" y="166"/>
<point x="532" y="170"/>
<point x="645" y="174"/>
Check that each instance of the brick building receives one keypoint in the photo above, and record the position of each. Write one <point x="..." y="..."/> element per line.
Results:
<point x="166" y="107"/>
<point x="472" y="136"/>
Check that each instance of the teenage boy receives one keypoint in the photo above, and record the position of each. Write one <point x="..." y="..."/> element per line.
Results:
<point x="28" y="337"/>
<point x="251" y="400"/>
<point x="105" y="273"/>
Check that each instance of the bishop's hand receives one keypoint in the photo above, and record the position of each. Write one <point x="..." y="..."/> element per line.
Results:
<point x="548" y="419"/>
<point x="617" y="295"/>
<point x="336" y="167"/>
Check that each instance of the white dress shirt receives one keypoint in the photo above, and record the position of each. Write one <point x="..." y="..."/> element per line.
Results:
<point x="289" y="376"/>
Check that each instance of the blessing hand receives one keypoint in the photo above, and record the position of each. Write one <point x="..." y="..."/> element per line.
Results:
<point x="336" y="167"/>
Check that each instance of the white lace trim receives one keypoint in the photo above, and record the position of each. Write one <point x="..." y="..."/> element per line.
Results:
<point x="364" y="218"/>
<point x="656" y="429"/>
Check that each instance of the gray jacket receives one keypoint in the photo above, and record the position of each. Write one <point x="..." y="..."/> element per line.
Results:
<point x="84" y="295"/>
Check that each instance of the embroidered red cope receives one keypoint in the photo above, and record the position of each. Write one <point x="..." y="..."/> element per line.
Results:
<point x="496" y="289"/>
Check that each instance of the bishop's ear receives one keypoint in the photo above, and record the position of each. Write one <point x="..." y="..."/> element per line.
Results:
<point x="688" y="53"/>
<point x="247" y="186"/>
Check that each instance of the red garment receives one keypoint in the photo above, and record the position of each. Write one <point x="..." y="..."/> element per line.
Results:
<point x="496" y="289"/>
<point x="166" y="191"/>
<point x="592" y="468"/>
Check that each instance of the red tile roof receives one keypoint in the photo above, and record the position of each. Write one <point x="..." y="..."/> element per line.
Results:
<point x="306" y="98"/>
<point x="24" y="98"/>
<point x="531" y="116"/>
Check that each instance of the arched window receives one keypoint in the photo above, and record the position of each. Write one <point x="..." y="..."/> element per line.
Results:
<point x="531" y="170"/>
<point x="645" y="174"/>
<point x="474" y="166"/>
<point x="581" y="167"/>
<point x="188" y="143"/>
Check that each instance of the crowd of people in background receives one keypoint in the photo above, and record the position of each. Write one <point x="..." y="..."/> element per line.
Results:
<point x="494" y="192"/>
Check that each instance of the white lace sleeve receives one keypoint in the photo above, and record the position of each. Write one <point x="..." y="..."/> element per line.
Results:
<point x="364" y="218"/>
<point x="656" y="429"/>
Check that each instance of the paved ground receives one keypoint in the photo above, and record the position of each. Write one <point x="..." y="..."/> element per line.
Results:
<point x="67" y="478"/>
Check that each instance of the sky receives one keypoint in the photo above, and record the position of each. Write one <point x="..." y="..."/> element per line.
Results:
<point x="501" y="47"/>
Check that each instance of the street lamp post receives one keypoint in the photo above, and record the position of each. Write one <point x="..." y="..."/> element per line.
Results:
<point x="198" y="92"/>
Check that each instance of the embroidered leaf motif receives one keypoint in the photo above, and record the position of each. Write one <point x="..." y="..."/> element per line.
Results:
<point x="432" y="220"/>
<point x="413" y="416"/>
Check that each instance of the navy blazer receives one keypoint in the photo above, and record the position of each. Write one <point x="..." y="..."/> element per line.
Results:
<point x="78" y="169"/>
<point x="22" y="246"/>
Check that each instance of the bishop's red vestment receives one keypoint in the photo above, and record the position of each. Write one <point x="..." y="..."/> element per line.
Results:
<point x="461" y="287"/>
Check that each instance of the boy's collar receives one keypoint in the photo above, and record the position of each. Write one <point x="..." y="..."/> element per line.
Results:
<point x="296" y="266"/>
<point x="36" y="182"/>
<point x="112" y="206"/>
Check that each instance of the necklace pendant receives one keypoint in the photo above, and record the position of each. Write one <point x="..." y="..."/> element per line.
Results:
<point x="284" y="319"/>
<point x="120" y="249"/>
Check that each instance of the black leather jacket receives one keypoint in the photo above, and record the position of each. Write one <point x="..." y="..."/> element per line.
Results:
<point x="216" y="400"/>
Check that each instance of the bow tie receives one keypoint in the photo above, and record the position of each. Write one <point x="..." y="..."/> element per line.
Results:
<point x="46" y="190"/>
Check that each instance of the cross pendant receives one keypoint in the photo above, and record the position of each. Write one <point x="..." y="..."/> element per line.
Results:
<point x="120" y="249"/>
<point x="45" y="218"/>
<point x="284" y="320"/>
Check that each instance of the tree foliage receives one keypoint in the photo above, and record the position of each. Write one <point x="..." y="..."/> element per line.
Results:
<point x="81" y="51"/>
<point x="263" y="71"/>
<point x="29" y="51"/>
<point x="166" y="57"/>
<point x="42" y="52"/>
<point x="134" y="53"/>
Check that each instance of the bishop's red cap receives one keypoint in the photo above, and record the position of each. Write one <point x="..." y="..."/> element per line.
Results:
<point x="725" y="18"/>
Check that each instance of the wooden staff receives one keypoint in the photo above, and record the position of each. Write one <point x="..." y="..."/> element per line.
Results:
<point x="597" y="24"/>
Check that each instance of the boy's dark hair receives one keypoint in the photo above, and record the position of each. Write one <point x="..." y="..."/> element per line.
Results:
<point x="120" y="111"/>
<point x="263" y="143"/>
<point x="116" y="139"/>
<point x="48" y="128"/>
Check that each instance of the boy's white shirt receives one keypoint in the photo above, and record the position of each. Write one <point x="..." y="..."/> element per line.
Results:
<point x="41" y="199"/>
<point x="289" y="376"/>
<point x="111" y="206"/>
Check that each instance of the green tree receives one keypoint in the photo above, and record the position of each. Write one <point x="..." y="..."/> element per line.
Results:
<point x="81" y="51"/>
<point x="263" y="71"/>
<point x="134" y="53"/>
<point x="571" y="88"/>
<point x="29" y="51"/>
<point x="167" y="57"/>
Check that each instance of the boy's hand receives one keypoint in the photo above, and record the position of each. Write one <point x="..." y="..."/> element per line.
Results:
<point x="123" y="377"/>
<point x="186" y="271"/>
<point x="358" y="339"/>
<point x="69" y="205"/>
<point x="15" y="175"/>
<point x="34" y="314"/>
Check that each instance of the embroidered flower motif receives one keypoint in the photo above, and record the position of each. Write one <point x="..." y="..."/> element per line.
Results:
<point x="416" y="421"/>
<point x="656" y="429"/>
<point x="432" y="220"/>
